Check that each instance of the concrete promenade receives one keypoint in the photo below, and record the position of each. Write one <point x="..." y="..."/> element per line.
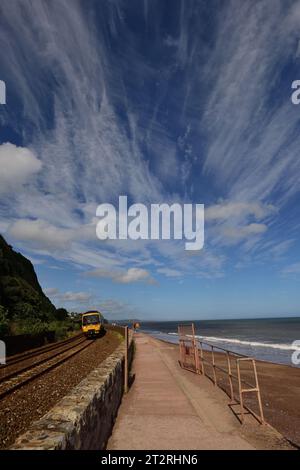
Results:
<point x="170" y="408"/>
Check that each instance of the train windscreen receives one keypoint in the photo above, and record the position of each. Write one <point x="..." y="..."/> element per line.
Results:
<point x="91" y="320"/>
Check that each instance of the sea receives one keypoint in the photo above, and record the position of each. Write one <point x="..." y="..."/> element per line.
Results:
<point x="265" y="339"/>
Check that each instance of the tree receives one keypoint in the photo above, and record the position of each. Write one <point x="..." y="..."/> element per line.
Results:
<point x="24" y="310"/>
<point x="4" y="324"/>
<point x="61" y="314"/>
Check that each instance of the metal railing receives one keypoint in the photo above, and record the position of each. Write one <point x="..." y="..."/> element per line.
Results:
<point x="201" y="357"/>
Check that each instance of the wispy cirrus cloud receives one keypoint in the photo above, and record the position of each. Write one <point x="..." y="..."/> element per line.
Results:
<point x="69" y="296"/>
<point x="169" y="272"/>
<point x="291" y="270"/>
<point x="246" y="116"/>
<point x="128" y="276"/>
<point x="199" y="120"/>
<point x="229" y="210"/>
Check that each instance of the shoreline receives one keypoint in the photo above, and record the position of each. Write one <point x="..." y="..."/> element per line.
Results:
<point x="176" y="342"/>
<point x="219" y="352"/>
<point x="280" y="392"/>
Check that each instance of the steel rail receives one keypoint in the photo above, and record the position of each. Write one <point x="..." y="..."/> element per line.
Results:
<point x="14" y="373"/>
<point x="15" y="359"/>
<point x="20" y="384"/>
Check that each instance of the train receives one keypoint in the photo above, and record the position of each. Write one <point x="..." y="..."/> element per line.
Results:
<point x="92" y="323"/>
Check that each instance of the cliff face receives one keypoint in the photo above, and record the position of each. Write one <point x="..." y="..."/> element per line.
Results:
<point x="20" y="291"/>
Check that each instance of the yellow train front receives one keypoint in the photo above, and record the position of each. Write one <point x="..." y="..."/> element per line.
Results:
<point x="92" y="324"/>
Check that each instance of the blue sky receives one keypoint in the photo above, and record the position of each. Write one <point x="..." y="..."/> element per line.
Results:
<point x="162" y="101"/>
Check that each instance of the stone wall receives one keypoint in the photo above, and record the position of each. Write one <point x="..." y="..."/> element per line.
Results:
<point x="83" y="419"/>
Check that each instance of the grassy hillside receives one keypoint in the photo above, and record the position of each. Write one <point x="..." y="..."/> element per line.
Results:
<point x="23" y="305"/>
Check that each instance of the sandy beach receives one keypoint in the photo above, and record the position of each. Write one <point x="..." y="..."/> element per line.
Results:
<point x="280" y="388"/>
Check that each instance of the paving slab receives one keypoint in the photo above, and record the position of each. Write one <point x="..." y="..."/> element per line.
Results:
<point x="164" y="410"/>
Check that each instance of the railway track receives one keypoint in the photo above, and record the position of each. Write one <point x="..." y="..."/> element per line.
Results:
<point x="12" y="369"/>
<point x="16" y="379"/>
<point x="38" y="351"/>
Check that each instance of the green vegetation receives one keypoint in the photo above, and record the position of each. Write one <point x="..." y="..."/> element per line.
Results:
<point x="24" y="308"/>
<point x="4" y="322"/>
<point x="119" y="336"/>
<point x="62" y="328"/>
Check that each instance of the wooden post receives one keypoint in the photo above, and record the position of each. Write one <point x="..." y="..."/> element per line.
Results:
<point x="181" y="347"/>
<point x="202" y="359"/>
<point x="196" y="355"/>
<point x="214" y="365"/>
<point x="182" y="352"/>
<point x="258" y="393"/>
<point x="230" y="376"/>
<point x="126" y="361"/>
<point x="240" y="390"/>
<point x="255" y="389"/>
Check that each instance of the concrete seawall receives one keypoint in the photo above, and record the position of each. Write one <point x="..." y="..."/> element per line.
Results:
<point x="84" y="418"/>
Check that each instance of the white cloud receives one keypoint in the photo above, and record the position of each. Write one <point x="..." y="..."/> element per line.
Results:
<point x="43" y="235"/>
<point x="291" y="269"/>
<point x="297" y="53"/>
<point x="232" y="222"/>
<point x="69" y="296"/>
<point x="81" y="297"/>
<point x="135" y="275"/>
<point x="170" y="41"/>
<point x="169" y="272"/>
<point x="252" y="138"/>
<point x="40" y="234"/>
<point x="51" y="291"/>
<point x="231" y="210"/>
<point x="111" y="307"/>
<point x="128" y="276"/>
<point x="240" y="233"/>
<point x="116" y="309"/>
<point x="90" y="154"/>
<point x="18" y="165"/>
